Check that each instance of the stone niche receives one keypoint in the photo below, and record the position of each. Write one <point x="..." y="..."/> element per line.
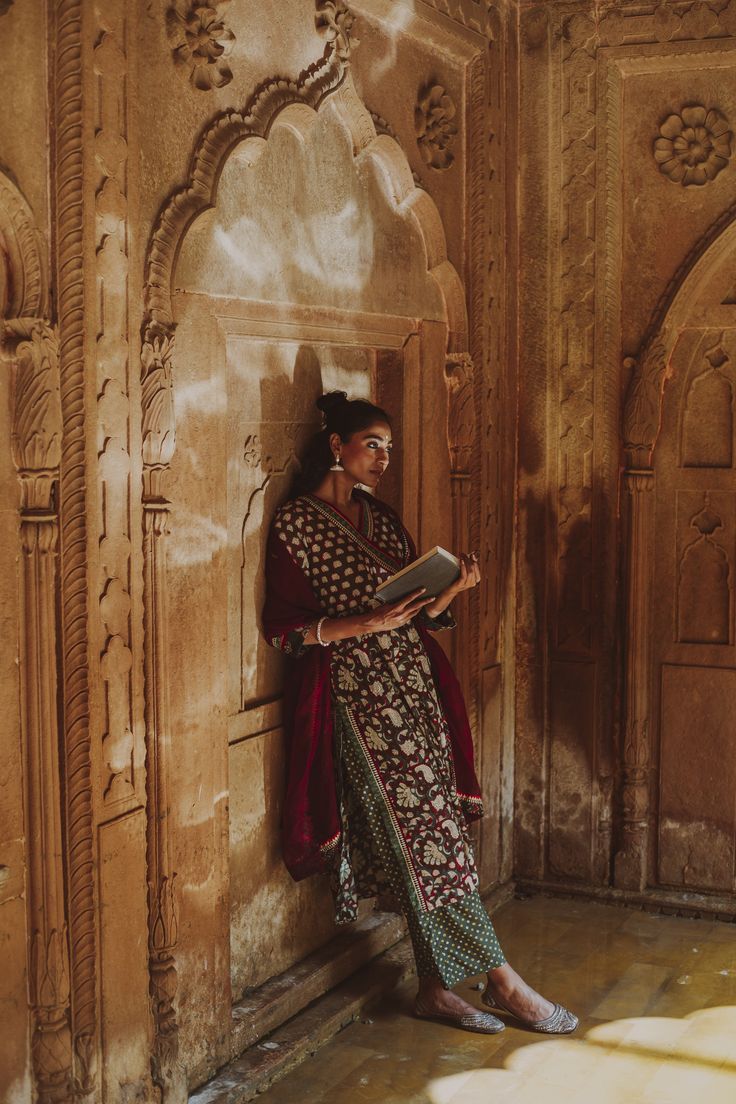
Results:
<point x="291" y="284"/>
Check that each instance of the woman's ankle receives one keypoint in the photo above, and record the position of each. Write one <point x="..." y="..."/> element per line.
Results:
<point x="503" y="980"/>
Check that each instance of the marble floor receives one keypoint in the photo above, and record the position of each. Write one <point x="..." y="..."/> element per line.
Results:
<point x="656" y="996"/>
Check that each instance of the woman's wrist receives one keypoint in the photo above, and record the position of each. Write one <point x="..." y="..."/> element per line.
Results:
<point x="338" y="628"/>
<point x="438" y="607"/>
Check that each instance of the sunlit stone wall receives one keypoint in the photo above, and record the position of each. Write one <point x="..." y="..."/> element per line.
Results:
<point x="207" y="217"/>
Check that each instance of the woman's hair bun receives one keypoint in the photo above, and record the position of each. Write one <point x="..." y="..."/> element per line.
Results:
<point x="330" y="402"/>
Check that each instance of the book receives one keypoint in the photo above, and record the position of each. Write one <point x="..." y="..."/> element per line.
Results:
<point x="435" y="570"/>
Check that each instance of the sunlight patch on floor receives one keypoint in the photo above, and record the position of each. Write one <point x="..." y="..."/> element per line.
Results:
<point x="647" y="1060"/>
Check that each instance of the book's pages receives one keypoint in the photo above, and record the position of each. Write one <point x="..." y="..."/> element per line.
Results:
<point x="435" y="570"/>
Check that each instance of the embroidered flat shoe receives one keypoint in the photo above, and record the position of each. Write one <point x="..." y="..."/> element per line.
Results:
<point x="481" y="1022"/>
<point x="560" y="1022"/>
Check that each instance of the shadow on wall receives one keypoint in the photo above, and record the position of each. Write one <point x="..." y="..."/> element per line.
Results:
<point x="568" y="686"/>
<point x="279" y="395"/>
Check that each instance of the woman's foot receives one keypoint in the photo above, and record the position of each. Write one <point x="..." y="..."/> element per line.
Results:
<point x="434" y="999"/>
<point x="515" y="995"/>
<point x="433" y="1002"/>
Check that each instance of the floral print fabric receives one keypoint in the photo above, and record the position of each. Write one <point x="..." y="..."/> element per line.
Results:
<point x="451" y="943"/>
<point x="383" y="688"/>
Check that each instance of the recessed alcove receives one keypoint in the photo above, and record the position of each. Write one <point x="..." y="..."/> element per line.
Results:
<point x="310" y="271"/>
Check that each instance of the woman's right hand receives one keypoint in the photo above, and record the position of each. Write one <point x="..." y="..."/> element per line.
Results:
<point x="393" y="615"/>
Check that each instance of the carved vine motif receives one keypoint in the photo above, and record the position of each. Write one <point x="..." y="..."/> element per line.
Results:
<point x="200" y="41"/>
<point x="335" y="20"/>
<point x="694" y="146"/>
<point x="434" y="126"/>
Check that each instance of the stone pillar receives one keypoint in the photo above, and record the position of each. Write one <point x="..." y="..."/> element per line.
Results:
<point x="36" y="449"/>
<point x="158" y="448"/>
<point x="631" y="862"/>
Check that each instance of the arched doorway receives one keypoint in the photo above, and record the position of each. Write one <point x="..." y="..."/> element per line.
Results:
<point x="679" y="774"/>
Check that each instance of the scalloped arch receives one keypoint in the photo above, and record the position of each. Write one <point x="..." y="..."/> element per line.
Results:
<point x="701" y="282"/>
<point x="23" y="255"/>
<point x="295" y="105"/>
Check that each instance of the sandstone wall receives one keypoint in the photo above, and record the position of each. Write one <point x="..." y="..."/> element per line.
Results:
<point x="223" y="211"/>
<point x="627" y="187"/>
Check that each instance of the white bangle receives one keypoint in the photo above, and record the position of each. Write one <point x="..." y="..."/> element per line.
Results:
<point x="318" y="634"/>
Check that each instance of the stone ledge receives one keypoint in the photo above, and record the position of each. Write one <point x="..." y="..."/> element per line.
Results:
<point x="283" y="996"/>
<point x="242" y="1079"/>
<point x="700" y="906"/>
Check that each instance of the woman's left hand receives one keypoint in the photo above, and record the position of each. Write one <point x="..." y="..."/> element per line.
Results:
<point x="469" y="577"/>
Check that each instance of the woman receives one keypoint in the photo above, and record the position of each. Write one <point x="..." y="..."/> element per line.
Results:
<point x="381" y="784"/>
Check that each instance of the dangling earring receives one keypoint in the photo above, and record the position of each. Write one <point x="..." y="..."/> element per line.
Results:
<point x="337" y="466"/>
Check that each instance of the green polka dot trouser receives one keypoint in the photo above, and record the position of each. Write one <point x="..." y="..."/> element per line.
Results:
<point x="453" y="941"/>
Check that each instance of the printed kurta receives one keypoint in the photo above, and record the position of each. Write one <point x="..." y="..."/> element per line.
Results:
<point x="385" y="701"/>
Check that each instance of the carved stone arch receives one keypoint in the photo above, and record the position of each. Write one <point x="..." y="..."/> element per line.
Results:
<point x="700" y="287"/>
<point x="23" y="276"/>
<point x="293" y="104"/>
<point x="699" y="295"/>
<point x="29" y="347"/>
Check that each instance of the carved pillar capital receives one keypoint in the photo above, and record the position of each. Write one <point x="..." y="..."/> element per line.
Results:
<point x="638" y="480"/>
<point x="33" y="348"/>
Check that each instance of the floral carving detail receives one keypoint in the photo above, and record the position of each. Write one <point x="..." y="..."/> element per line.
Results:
<point x="435" y="129"/>
<point x="252" y="451"/>
<point x="693" y="146"/>
<point x="335" y="19"/>
<point x="201" y="41"/>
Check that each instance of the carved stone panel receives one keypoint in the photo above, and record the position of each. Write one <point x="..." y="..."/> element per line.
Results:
<point x="708" y="412"/>
<point x="697" y="814"/>
<point x="694" y="611"/>
<point x="705" y="573"/>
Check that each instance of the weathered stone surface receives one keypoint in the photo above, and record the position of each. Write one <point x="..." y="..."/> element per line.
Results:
<point x="627" y="204"/>
<point x="516" y="230"/>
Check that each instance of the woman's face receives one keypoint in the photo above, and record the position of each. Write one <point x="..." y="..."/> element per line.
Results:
<point x="365" y="456"/>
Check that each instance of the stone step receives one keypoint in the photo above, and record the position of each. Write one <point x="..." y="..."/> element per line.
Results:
<point x="351" y="992"/>
<point x="247" y="1076"/>
<point x="280" y="998"/>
